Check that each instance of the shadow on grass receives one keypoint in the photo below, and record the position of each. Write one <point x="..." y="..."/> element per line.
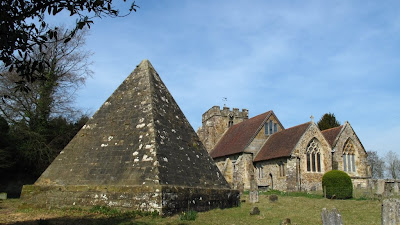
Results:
<point x="80" y="221"/>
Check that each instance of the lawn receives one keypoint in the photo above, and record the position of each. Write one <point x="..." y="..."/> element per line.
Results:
<point x="301" y="209"/>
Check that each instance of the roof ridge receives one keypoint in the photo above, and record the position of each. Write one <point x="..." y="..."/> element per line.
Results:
<point x="332" y="128"/>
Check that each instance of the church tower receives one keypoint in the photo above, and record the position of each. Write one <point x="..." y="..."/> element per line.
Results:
<point x="216" y="121"/>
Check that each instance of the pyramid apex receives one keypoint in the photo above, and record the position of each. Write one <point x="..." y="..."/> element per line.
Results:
<point x="145" y="63"/>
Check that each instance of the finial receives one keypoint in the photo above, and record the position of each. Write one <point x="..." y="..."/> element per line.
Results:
<point x="312" y="118"/>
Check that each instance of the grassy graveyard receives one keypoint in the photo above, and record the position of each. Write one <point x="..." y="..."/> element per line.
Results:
<point x="301" y="208"/>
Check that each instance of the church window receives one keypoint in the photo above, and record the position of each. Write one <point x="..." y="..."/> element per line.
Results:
<point x="260" y="172"/>
<point x="282" y="169"/>
<point x="270" y="127"/>
<point x="266" y="128"/>
<point x="313" y="154"/>
<point x="349" y="164"/>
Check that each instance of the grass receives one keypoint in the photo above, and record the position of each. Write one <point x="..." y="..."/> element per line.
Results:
<point x="301" y="208"/>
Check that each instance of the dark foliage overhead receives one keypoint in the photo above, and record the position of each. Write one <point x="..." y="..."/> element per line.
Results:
<point x="327" y="121"/>
<point x="23" y="27"/>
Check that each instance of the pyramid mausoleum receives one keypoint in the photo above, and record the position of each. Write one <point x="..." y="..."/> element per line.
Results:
<point x="138" y="152"/>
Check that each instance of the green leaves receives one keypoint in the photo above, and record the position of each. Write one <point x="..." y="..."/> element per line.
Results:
<point x="19" y="36"/>
<point x="327" y="121"/>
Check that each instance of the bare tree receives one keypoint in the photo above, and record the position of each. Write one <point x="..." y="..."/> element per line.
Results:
<point x="66" y="69"/>
<point x="376" y="163"/>
<point x="392" y="165"/>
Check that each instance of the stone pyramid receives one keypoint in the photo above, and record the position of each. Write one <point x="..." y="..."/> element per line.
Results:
<point x="139" y="152"/>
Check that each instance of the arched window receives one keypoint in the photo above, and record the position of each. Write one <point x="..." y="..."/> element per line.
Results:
<point x="349" y="164"/>
<point x="313" y="156"/>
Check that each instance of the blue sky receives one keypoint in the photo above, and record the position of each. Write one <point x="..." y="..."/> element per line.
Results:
<point x="297" y="58"/>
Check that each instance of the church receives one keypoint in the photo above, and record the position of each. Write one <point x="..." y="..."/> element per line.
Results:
<point x="261" y="150"/>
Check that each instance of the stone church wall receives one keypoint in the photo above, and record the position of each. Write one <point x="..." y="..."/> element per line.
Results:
<point x="362" y="168"/>
<point x="312" y="180"/>
<point x="272" y="176"/>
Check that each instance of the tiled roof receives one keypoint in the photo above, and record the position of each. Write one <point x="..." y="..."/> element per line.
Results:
<point x="239" y="136"/>
<point x="281" y="143"/>
<point x="331" y="134"/>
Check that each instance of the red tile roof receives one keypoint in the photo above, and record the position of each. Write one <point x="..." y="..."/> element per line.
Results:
<point x="236" y="138"/>
<point x="281" y="143"/>
<point x="331" y="134"/>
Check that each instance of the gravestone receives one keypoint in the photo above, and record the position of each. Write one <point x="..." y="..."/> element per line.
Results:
<point x="273" y="198"/>
<point x="3" y="196"/>
<point x="391" y="211"/>
<point x="137" y="152"/>
<point x="380" y="187"/>
<point x="331" y="217"/>
<point x="396" y="187"/>
<point x="286" y="221"/>
<point x="253" y="194"/>
<point x="255" y="211"/>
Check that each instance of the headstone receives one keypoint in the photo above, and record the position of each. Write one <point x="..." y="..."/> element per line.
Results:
<point x="3" y="196"/>
<point x="253" y="194"/>
<point x="396" y="187"/>
<point x="380" y="187"/>
<point x="137" y="152"/>
<point x="255" y="211"/>
<point x="286" y="221"/>
<point x="391" y="211"/>
<point x="331" y="217"/>
<point x="273" y="198"/>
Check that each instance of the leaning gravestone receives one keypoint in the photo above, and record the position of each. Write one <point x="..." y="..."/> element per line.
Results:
<point x="331" y="218"/>
<point x="391" y="212"/>
<point x="137" y="152"/>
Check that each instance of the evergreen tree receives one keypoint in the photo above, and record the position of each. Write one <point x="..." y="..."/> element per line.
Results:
<point x="328" y="120"/>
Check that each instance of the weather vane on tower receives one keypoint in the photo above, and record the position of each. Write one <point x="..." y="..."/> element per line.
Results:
<point x="224" y="99"/>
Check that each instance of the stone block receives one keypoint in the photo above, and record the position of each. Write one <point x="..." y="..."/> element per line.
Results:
<point x="331" y="217"/>
<point x="253" y="196"/>
<point x="3" y="196"/>
<point x="380" y="187"/>
<point x="255" y="211"/>
<point x="273" y="198"/>
<point x="391" y="212"/>
<point x="396" y="187"/>
<point x="286" y="221"/>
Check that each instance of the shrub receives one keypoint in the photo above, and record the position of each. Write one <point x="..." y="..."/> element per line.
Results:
<point x="189" y="215"/>
<point x="337" y="184"/>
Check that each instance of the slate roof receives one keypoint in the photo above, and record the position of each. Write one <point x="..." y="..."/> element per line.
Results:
<point x="237" y="137"/>
<point x="138" y="136"/>
<point x="331" y="134"/>
<point x="282" y="143"/>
